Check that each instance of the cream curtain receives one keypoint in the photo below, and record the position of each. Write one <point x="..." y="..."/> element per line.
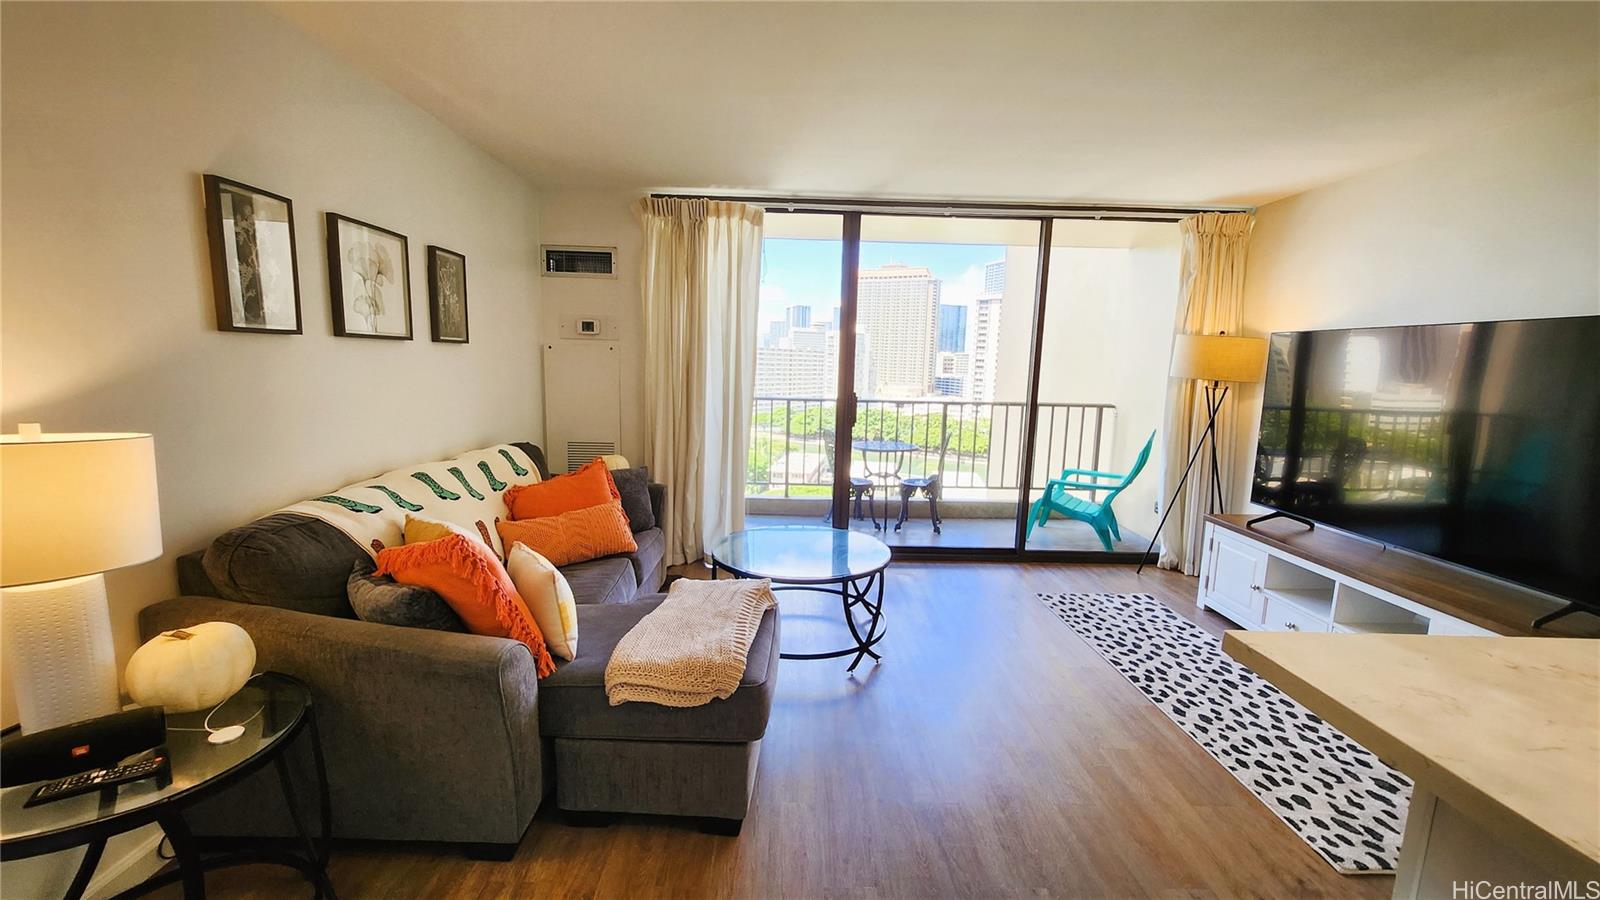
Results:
<point x="1210" y="301"/>
<point x="701" y="280"/>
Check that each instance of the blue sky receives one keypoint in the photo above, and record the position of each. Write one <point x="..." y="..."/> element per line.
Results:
<point x="795" y="270"/>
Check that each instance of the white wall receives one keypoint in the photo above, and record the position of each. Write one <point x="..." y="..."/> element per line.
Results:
<point x="1502" y="225"/>
<point x="110" y="115"/>
<point x="605" y="219"/>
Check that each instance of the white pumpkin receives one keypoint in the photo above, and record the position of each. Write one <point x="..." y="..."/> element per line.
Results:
<point x="191" y="668"/>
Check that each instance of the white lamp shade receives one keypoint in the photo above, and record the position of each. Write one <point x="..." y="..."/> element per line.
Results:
<point x="76" y="504"/>
<point x="1219" y="357"/>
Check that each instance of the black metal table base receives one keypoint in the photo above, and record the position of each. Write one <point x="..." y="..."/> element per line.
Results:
<point x="853" y="593"/>
<point x="311" y="860"/>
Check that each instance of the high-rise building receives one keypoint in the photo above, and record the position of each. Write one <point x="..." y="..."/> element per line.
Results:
<point x="809" y="337"/>
<point x="799" y="316"/>
<point x="865" y="385"/>
<point x="952" y="328"/>
<point x="789" y="371"/>
<point x="994" y="277"/>
<point x="777" y="330"/>
<point x="951" y="372"/>
<point x="986" y="344"/>
<point x="897" y="308"/>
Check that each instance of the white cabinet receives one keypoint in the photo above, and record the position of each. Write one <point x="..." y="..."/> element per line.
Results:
<point x="1231" y="578"/>
<point x="1264" y="587"/>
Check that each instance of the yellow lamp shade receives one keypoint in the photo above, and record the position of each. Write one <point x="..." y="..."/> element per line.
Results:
<point x="1219" y="357"/>
<point x="76" y="504"/>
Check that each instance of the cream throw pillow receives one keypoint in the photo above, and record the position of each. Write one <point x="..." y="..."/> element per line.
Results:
<point x="549" y="598"/>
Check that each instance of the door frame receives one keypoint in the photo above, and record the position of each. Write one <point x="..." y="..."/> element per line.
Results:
<point x="844" y="406"/>
<point x="850" y="212"/>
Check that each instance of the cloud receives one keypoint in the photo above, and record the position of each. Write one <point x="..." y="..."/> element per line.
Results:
<point x="963" y="291"/>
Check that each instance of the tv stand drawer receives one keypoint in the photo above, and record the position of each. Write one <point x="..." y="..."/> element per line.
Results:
<point x="1283" y="616"/>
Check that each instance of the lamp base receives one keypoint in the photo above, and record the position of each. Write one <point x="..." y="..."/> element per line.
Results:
<point x="57" y="638"/>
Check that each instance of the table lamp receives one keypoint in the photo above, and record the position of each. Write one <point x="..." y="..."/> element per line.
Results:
<point x="72" y="506"/>
<point x="1216" y="360"/>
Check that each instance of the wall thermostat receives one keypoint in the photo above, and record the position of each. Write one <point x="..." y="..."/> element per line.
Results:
<point x="589" y="328"/>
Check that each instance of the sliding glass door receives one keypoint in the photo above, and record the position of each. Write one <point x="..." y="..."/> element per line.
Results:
<point x="944" y="317"/>
<point x="790" y="474"/>
<point x="1110" y="305"/>
<point x="907" y="387"/>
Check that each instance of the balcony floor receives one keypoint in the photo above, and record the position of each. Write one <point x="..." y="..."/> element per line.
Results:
<point x="969" y="533"/>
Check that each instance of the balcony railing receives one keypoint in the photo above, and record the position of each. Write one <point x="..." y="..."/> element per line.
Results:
<point x="977" y="447"/>
<point x="1362" y="451"/>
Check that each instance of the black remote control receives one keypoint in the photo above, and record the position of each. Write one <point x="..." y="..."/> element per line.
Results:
<point x="95" y="779"/>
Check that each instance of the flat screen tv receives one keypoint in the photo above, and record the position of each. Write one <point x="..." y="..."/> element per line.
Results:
<point x="1476" y="443"/>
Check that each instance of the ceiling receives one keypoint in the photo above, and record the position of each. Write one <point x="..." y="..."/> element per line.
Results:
<point x="1156" y="103"/>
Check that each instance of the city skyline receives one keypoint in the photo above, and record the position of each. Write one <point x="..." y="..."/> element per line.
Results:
<point x="803" y="271"/>
<point x="911" y="342"/>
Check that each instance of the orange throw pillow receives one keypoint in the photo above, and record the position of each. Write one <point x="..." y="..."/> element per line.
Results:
<point x="591" y="484"/>
<point x="465" y="573"/>
<point x="571" y="537"/>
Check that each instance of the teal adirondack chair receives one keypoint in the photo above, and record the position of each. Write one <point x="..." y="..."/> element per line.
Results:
<point x="1097" y="514"/>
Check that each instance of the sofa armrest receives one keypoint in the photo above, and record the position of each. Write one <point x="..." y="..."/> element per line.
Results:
<point x="428" y="735"/>
<point x="658" y="502"/>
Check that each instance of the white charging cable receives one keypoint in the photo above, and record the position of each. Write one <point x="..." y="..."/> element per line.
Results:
<point x="227" y="733"/>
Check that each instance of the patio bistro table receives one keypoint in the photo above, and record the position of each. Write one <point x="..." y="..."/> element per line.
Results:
<point x="884" y="449"/>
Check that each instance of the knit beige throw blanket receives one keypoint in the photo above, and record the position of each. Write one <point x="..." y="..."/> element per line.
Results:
<point x="691" y="648"/>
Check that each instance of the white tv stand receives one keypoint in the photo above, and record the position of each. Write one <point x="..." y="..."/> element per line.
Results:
<point x="1280" y="576"/>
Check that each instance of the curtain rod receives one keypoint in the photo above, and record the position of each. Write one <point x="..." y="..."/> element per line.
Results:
<point x="959" y="208"/>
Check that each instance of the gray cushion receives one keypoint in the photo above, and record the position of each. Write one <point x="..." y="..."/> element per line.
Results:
<point x="536" y="453"/>
<point x="607" y="580"/>
<point x="379" y="598"/>
<point x="192" y="578"/>
<point x="647" y="559"/>
<point x="572" y="701"/>
<point x="285" y="560"/>
<point x="634" y="486"/>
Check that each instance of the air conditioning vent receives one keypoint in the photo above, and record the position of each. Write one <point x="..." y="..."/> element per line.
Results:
<point x="580" y="262"/>
<point x="580" y="452"/>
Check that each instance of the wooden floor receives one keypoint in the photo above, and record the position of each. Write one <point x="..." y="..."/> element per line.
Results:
<point x="992" y="753"/>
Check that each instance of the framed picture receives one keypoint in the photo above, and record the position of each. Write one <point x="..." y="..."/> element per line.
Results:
<point x="447" y="295"/>
<point x="369" y="280"/>
<point x="255" y="280"/>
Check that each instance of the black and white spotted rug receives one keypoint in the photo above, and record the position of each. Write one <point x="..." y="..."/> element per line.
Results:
<point x="1339" y="798"/>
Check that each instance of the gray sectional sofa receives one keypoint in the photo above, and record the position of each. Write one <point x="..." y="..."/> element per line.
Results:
<point x="443" y="736"/>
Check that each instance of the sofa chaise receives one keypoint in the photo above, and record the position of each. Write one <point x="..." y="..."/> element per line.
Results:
<point x="442" y="736"/>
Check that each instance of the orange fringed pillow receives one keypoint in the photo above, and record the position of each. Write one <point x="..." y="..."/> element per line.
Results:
<point x="465" y="573"/>
<point x="571" y="537"/>
<point x="588" y="486"/>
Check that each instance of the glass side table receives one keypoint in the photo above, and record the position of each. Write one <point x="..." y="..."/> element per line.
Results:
<point x="273" y="709"/>
<point x="847" y="564"/>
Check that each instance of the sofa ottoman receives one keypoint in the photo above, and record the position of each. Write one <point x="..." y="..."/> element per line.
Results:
<point x="646" y="758"/>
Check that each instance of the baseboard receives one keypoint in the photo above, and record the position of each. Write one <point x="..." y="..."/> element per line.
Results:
<point x="138" y="861"/>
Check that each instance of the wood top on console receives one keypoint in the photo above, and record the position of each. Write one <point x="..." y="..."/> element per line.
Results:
<point x="1486" y="602"/>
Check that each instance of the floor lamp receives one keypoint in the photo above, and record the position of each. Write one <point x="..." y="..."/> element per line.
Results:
<point x="72" y="506"/>
<point x="1216" y="360"/>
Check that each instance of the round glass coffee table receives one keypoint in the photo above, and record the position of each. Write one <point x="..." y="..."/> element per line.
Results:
<point x="821" y="559"/>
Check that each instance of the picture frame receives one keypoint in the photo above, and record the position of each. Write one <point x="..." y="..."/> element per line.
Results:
<point x="369" y="280"/>
<point x="447" y="295"/>
<point x="255" y="269"/>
